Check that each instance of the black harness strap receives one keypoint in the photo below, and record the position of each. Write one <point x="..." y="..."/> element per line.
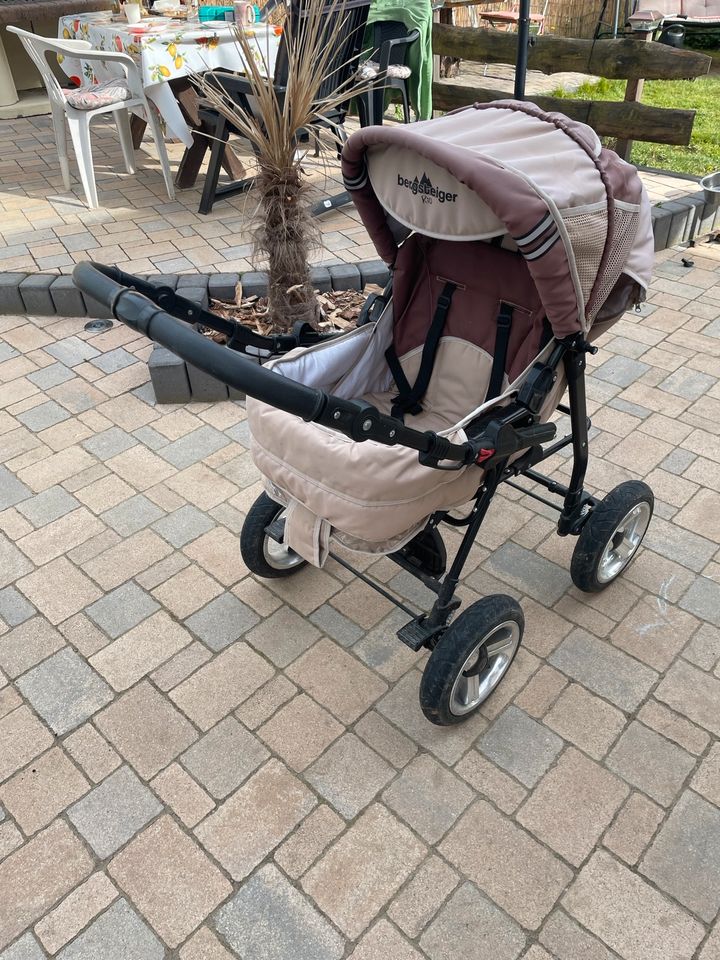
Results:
<point x="502" y="341"/>
<point x="408" y="398"/>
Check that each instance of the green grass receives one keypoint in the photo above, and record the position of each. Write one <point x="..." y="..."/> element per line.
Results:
<point x="703" y="94"/>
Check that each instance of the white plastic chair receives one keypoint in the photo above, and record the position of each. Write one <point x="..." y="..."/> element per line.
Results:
<point x="120" y="66"/>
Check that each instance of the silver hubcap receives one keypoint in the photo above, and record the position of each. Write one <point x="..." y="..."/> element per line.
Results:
<point x="278" y="555"/>
<point x="623" y="544"/>
<point x="473" y="685"/>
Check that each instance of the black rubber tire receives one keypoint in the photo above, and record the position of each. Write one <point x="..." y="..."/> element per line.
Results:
<point x="253" y="539"/>
<point x="448" y="657"/>
<point x="598" y="530"/>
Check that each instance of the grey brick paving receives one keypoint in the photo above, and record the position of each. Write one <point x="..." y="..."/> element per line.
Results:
<point x="122" y="609"/>
<point x="113" y="812"/>
<point x="520" y="745"/>
<point x="183" y="525"/>
<point x="47" y="506"/>
<point x="117" y="934"/>
<point x="14" y="608"/>
<point x="43" y="416"/>
<point x="349" y="774"/>
<point x="683" y="859"/>
<point x="64" y="690"/>
<point x="26" y="948"/>
<point x="224" y="758"/>
<point x="532" y="574"/>
<point x="703" y="599"/>
<point x="132" y="515"/>
<point x="51" y="376"/>
<point x="471" y="926"/>
<point x="621" y="371"/>
<point x="223" y="620"/>
<point x="72" y="351"/>
<point x="650" y="762"/>
<point x="114" y="360"/>
<point x="11" y="490"/>
<point x="194" y="446"/>
<point x="109" y="443"/>
<point x="270" y="920"/>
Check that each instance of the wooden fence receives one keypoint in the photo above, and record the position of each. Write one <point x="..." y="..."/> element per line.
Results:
<point x="564" y="18"/>
<point x="625" y="59"/>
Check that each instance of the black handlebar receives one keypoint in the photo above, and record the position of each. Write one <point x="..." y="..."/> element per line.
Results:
<point x="135" y="304"/>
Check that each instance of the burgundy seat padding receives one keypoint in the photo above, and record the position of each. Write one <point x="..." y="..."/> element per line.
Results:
<point x="486" y="276"/>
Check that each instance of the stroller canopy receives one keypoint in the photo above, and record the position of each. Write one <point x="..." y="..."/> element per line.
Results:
<point x="539" y="182"/>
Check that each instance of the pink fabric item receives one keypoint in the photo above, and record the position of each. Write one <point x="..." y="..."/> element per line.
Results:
<point x="98" y="95"/>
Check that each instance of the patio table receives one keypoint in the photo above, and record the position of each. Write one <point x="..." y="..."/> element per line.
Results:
<point x="166" y="50"/>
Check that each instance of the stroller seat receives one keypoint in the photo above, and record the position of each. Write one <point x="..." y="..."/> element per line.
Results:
<point x="369" y="496"/>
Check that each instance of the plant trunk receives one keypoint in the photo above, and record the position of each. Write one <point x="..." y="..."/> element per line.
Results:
<point x="286" y="235"/>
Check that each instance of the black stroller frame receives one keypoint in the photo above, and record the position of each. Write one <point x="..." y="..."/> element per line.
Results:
<point x="507" y="443"/>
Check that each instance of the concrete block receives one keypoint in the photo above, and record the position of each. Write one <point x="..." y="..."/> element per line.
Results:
<point x="374" y="271"/>
<point x="661" y="220"/>
<point x="163" y="280"/>
<point x="67" y="298"/>
<point x="254" y="283"/>
<point x="221" y="286"/>
<point x="192" y="280"/>
<point x="10" y="299"/>
<point x="198" y="295"/>
<point x="681" y="214"/>
<point x="697" y="208"/>
<point x="345" y="276"/>
<point x="204" y="387"/>
<point x="710" y="218"/>
<point x="321" y="280"/>
<point x="35" y="292"/>
<point x="169" y="377"/>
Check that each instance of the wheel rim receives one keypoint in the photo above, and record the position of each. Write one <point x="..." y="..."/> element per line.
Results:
<point x="484" y="668"/>
<point x="622" y="545"/>
<point x="278" y="555"/>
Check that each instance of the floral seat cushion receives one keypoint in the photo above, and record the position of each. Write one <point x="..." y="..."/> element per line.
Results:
<point x="371" y="68"/>
<point x="98" y="95"/>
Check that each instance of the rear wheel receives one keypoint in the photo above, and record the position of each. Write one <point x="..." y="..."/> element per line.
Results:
<point x="611" y="536"/>
<point x="263" y="555"/>
<point x="470" y="659"/>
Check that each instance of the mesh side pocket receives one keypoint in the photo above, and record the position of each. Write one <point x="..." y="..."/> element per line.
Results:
<point x="587" y="232"/>
<point x="626" y="225"/>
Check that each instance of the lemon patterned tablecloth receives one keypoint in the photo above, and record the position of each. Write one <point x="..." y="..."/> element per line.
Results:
<point x="165" y="49"/>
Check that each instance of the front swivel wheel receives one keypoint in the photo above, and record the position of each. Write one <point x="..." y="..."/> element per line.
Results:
<point x="470" y="659"/>
<point x="262" y="555"/>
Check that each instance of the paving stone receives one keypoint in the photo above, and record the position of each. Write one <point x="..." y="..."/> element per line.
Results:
<point x="36" y="795"/>
<point x="338" y="627"/>
<point x="187" y="591"/>
<point x="117" y="934"/>
<point x="270" y="920"/>
<point x="283" y="636"/>
<point x="146" y="729"/>
<point x="654" y="632"/>
<point x="603" y="669"/>
<point x="92" y="752"/>
<point x="489" y="780"/>
<point x="218" y="550"/>
<point x="693" y="694"/>
<point x="470" y="926"/>
<point x="337" y="680"/>
<point x="181" y="794"/>
<point x="382" y="941"/>
<point x="75" y="912"/>
<point x="183" y="525"/>
<point x="109" y="443"/>
<point x="28" y="644"/>
<point x="221" y="685"/>
<point x="122" y="609"/>
<point x="585" y="720"/>
<point x="418" y="902"/>
<point x="11" y="490"/>
<point x="628" y="914"/>
<point x="513" y="869"/>
<point x="72" y="351"/>
<point x="140" y="650"/>
<point x="707" y="779"/>
<point x="23" y="737"/>
<point x="651" y="763"/>
<point x="132" y="515"/>
<point x="679" y="545"/>
<point x="676" y="728"/>
<point x="428" y="797"/>
<point x="300" y="732"/>
<point x="255" y="819"/>
<point x="349" y="775"/>
<point x="222" y="621"/>
<point x="682" y="859"/>
<point x="622" y="371"/>
<point x="204" y="945"/>
<point x="265" y="702"/>
<point x="43" y="416"/>
<point x="64" y="691"/>
<point x="114" y="360"/>
<point x="633" y="828"/>
<point x="688" y="384"/>
<point x="363" y="870"/>
<point x="195" y="446"/>
<point x="37" y="875"/>
<point x="170" y="879"/>
<point x="704" y="648"/>
<point x="541" y="579"/>
<point x="520" y="745"/>
<point x="224" y="758"/>
<point x="13" y="564"/>
<point x="703" y="599"/>
<point x="572" y="805"/>
<point x="114" y="812"/>
<point x="311" y="838"/>
<point x="26" y="948"/>
<point x="48" y="506"/>
<point x="568" y="940"/>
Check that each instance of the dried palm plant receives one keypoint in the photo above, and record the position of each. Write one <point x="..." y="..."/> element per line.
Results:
<point x="284" y="230"/>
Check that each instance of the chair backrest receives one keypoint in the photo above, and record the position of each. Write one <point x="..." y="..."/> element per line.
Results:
<point x="343" y="28"/>
<point x="38" y="48"/>
<point x="383" y="30"/>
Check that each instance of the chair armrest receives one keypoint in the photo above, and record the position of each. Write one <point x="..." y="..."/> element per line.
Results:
<point x="386" y="49"/>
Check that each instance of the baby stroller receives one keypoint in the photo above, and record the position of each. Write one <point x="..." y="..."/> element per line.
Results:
<point x="514" y="240"/>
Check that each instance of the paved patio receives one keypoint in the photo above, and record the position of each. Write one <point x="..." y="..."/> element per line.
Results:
<point x="197" y="765"/>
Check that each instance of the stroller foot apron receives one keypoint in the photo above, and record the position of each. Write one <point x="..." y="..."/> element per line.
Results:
<point x="514" y="240"/>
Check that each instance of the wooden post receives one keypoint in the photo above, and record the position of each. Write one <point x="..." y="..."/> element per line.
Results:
<point x="633" y="94"/>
